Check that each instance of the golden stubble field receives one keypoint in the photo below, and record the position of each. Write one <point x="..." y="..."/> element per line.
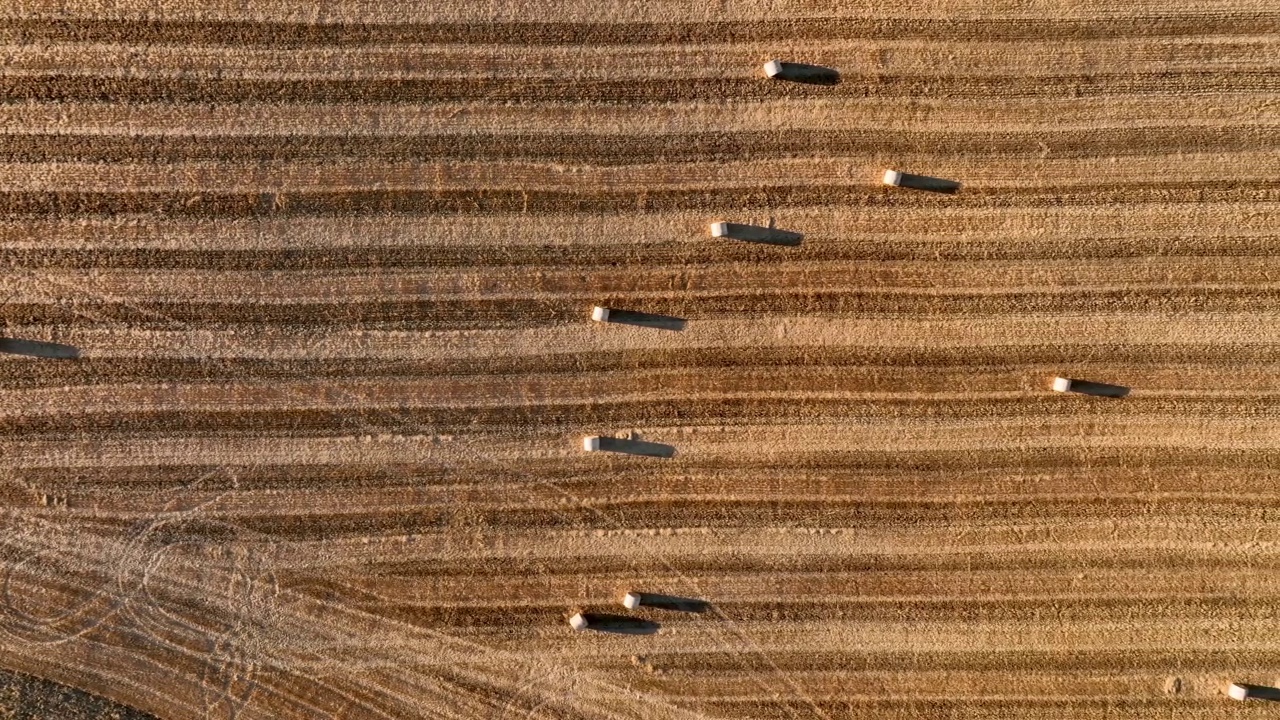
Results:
<point x="329" y="269"/>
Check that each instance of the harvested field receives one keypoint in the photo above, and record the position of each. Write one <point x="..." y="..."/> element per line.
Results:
<point x="318" y="280"/>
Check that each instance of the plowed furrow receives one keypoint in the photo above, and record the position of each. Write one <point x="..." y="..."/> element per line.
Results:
<point x="813" y="383"/>
<point x="632" y="149"/>
<point x="1049" y="708"/>
<point x="722" y="513"/>
<point x="1187" y="362"/>
<point x="1061" y="330"/>
<point x="281" y="34"/>
<point x="887" y="232"/>
<point x="657" y="283"/>
<point x="224" y="205"/>
<point x="848" y="249"/>
<point x="73" y="88"/>
<point x="984" y="180"/>
<point x="396" y="443"/>
<point x="961" y="610"/>
<point x="776" y="571"/>
<point x="489" y="314"/>
<point x="631" y="62"/>
<point x="995" y="661"/>
<point x="1134" y="470"/>
<point x="564" y="417"/>
<point x="588" y="120"/>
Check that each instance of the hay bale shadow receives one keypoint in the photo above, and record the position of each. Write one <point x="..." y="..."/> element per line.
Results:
<point x="1085" y="387"/>
<point x="804" y="73"/>
<point x="644" y="319"/>
<point x="673" y="602"/>
<point x="756" y="234"/>
<point x="619" y="624"/>
<point x="1254" y="692"/>
<point x="36" y="348"/>
<point x="921" y="182"/>
<point x="629" y="446"/>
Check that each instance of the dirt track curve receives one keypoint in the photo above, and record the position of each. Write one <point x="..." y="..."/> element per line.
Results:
<point x="329" y="270"/>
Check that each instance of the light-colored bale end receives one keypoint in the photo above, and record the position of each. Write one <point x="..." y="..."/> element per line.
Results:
<point x="600" y="314"/>
<point x="773" y="68"/>
<point x="892" y="177"/>
<point x="719" y="229"/>
<point x="1238" y="692"/>
<point x="631" y="601"/>
<point x="591" y="443"/>
<point x="1062" y="384"/>
<point x="577" y="622"/>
